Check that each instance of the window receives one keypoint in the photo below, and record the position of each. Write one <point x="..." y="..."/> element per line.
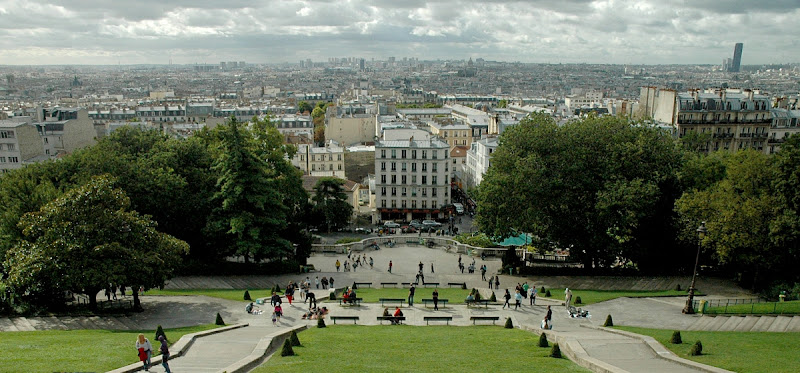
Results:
<point x="424" y="192"/>
<point x="383" y="179"/>
<point x="394" y="203"/>
<point x="424" y="154"/>
<point x="383" y="153"/>
<point x="383" y="166"/>
<point x="339" y="166"/>
<point x="339" y="157"/>
<point x="46" y="140"/>
<point x="403" y="179"/>
<point x="433" y="167"/>
<point x="403" y="154"/>
<point x="403" y="166"/>
<point x="394" y="191"/>
<point x="424" y="204"/>
<point x="394" y="179"/>
<point x="394" y="153"/>
<point x="330" y="167"/>
<point x="424" y="179"/>
<point x="433" y="192"/>
<point x="434" y="154"/>
<point x="414" y="167"/>
<point x="383" y="191"/>
<point x="433" y="179"/>
<point x="2" y="159"/>
<point x="13" y="160"/>
<point x="11" y="146"/>
<point x="403" y="192"/>
<point x="6" y="134"/>
<point x="383" y="203"/>
<point x="424" y="167"/>
<point x="313" y="167"/>
<point x="413" y="204"/>
<point x="413" y="179"/>
<point x="413" y="154"/>
<point x="394" y="166"/>
<point x="403" y="204"/>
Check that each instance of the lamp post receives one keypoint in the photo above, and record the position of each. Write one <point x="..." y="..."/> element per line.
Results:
<point x="701" y="232"/>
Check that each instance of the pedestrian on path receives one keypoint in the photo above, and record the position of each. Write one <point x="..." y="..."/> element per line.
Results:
<point x="567" y="297"/>
<point x="534" y="291"/>
<point x="431" y="267"/>
<point x="145" y="350"/>
<point x="338" y="264"/>
<point x="525" y="288"/>
<point x="483" y="272"/>
<point x="435" y="299"/>
<point x="330" y="280"/>
<point x="517" y="300"/>
<point x="420" y="266"/>
<point x="491" y="281"/>
<point x="324" y="283"/>
<point x="548" y="319"/>
<point x="497" y="282"/>
<point x="390" y="266"/>
<point x="289" y="292"/>
<point x="164" y="353"/>
<point x="275" y="299"/>
<point x="507" y="297"/>
<point x="411" y="295"/>
<point x="312" y="300"/>
<point x="316" y="281"/>
<point x="371" y="262"/>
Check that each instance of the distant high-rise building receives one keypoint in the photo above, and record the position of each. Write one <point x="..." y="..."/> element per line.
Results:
<point x="736" y="64"/>
<point x="361" y="64"/>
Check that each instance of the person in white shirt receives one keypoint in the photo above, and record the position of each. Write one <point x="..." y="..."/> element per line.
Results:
<point x="145" y="350"/>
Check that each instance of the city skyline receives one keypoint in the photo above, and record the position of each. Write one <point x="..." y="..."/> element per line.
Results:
<point x="93" y="32"/>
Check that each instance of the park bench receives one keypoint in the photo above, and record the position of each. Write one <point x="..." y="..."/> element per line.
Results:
<point x="438" y="318"/>
<point x="408" y="284"/>
<point x="383" y="284"/>
<point x="443" y="302"/>
<point x="357" y="284"/>
<point x="354" y="318"/>
<point x="391" y="318"/>
<point x="484" y="302"/>
<point x="425" y="284"/>
<point x="462" y="285"/>
<point x="326" y="252"/>
<point x="387" y="300"/>
<point x="352" y="302"/>
<point x="493" y="318"/>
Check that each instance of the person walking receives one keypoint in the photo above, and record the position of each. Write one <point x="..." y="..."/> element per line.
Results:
<point x="517" y="300"/>
<point x="435" y="299"/>
<point x="420" y="266"/>
<point x="483" y="272"/>
<point x="431" y="267"/>
<point x="491" y="281"/>
<point x="548" y="323"/>
<point x="534" y="292"/>
<point x="145" y="351"/>
<point x="411" y="291"/>
<point x="567" y="297"/>
<point x="330" y="281"/>
<point x="371" y="262"/>
<point x="164" y="353"/>
<point x="338" y="264"/>
<point x="289" y="292"/>
<point x="390" y="266"/>
<point x="497" y="282"/>
<point x="507" y="297"/>
<point x="316" y="281"/>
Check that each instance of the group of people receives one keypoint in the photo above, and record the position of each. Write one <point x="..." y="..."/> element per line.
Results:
<point x="349" y="296"/>
<point x="145" y="351"/>
<point x="395" y="318"/>
<point x="357" y="261"/>
<point x="315" y="313"/>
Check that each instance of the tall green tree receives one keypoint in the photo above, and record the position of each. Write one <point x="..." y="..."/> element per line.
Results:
<point x="304" y="107"/>
<point x="84" y="241"/>
<point x="588" y="185"/>
<point x="330" y="203"/>
<point x="250" y="215"/>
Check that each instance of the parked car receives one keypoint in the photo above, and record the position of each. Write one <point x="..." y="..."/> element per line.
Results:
<point x="459" y="208"/>
<point x="391" y="224"/>
<point x="363" y="230"/>
<point x="417" y="224"/>
<point x="408" y="229"/>
<point x="431" y="224"/>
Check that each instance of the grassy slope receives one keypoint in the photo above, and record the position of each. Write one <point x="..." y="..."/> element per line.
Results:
<point x="737" y="351"/>
<point x="597" y="296"/>
<point x="229" y="294"/>
<point x="791" y="307"/>
<point x="454" y="295"/>
<point x="76" y="350"/>
<point x="420" y="349"/>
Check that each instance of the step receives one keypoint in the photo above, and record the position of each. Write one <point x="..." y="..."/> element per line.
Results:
<point x="731" y="324"/>
<point x="71" y="322"/>
<point x="701" y="323"/>
<point x="780" y="324"/>
<point x="104" y="322"/>
<point x="114" y="323"/>
<point x="6" y="325"/>
<point x="46" y="323"/>
<point x="22" y="324"/>
<point x="763" y="324"/>
<point x="794" y="325"/>
<point x="717" y="323"/>
<point x="129" y="323"/>
<point x="85" y="322"/>
<point x="747" y="324"/>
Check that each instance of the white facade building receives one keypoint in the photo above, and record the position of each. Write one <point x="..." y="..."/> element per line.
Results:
<point x="479" y="160"/>
<point x="320" y="161"/>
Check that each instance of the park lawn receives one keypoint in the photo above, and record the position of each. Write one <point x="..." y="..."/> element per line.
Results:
<point x="737" y="351"/>
<point x="349" y="348"/>
<point x="597" y="296"/>
<point x="791" y="307"/>
<point x="77" y="350"/>
<point x="371" y="295"/>
<point x="229" y="294"/>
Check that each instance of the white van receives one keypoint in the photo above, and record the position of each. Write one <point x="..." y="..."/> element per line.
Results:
<point x="459" y="208"/>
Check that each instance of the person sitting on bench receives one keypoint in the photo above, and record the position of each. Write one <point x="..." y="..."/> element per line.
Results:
<point x="397" y="313"/>
<point x="470" y="299"/>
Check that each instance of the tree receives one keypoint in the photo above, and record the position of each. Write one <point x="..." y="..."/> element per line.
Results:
<point x="250" y="215"/>
<point x="588" y="185"/>
<point x="84" y="241"/>
<point x="330" y="203"/>
<point x="502" y="103"/>
<point x="304" y="107"/>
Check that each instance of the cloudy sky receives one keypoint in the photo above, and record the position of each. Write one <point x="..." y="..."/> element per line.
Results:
<point x="593" y="31"/>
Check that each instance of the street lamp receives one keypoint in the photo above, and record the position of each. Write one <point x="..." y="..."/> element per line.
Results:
<point x="701" y="232"/>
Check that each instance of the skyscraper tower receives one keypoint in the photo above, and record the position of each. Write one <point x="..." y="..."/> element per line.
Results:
<point x="736" y="64"/>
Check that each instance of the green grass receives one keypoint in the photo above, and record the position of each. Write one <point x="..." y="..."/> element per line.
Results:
<point x="597" y="296"/>
<point x="791" y="307"/>
<point x="737" y="351"/>
<point x="346" y="348"/>
<point x="229" y="294"/>
<point x="454" y="295"/>
<point x="76" y="350"/>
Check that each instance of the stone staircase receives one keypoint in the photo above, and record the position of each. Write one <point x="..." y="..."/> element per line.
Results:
<point x="747" y="324"/>
<point x="22" y="324"/>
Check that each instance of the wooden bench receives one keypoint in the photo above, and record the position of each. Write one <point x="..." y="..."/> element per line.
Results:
<point x="386" y="300"/>
<point x="459" y="284"/>
<point x="443" y="302"/>
<point x="484" y="302"/>
<point x="391" y="318"/>
<point x="354" y="318"/>
<point x="383" y="284"/>
<point x="425" y="284"/>
<point x="352" y="302"/>
<point x="493" y="318"/>
<point x="357" y="284"/>
<point x="438" y="318"/>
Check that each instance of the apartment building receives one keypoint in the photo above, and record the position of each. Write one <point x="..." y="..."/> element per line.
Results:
<point x="479" y="160"/>
<point x="349" y="125"/>
<point x="64" y="130"/>
<point x="294" y="124"/>
<point x="785" y="123"/>
<point x="454" y="134"/>
<point x="412" y="176"/>
<point x="19" y="143"/>
<point x="320" y="161"/>
<point x="736" y="119"/>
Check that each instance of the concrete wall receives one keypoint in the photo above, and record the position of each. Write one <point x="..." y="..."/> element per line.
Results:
<point x="357" y="165"/>
<point x="350" y="130"/>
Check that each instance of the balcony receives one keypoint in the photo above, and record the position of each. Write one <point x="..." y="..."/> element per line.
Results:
<point x="775" y="141"/>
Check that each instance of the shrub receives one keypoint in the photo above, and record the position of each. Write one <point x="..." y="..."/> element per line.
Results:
<point x="287" y="348"/>
<point x="697" y="349"/>
<point x="555" y="351"/>
<point x="509" y="324"/>
<point x="676" y="338"/>
<point x="678" y="287"/>
<point x="578" y="300"/>
<point x="160" y="331"/>
<point x="219" y="320"/>
<point x="354" y="287"/>
<point x="348" y="240"/>
<point x="609" y="321"/>
<point x="493" y="298"/>
<point x="547" y="294"/>
<point x="277" y="288"/>
<point x="247" y="295"/>
<point x="333" y="295"/>
<point x="543" y="340"/>
<point x="321" y="323"/>
<point x="542" y="290"/>
<point x="293" y="338"/>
